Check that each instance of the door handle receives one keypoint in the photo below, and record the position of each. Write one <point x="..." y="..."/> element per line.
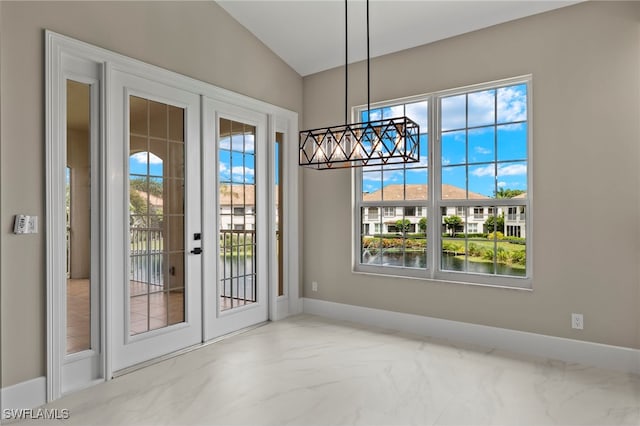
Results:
<point x="197" y="250"/>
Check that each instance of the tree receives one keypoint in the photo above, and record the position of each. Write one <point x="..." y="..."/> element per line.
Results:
<point x="403" y="225"/>
<point x="494" y="221"/>
<point x="508" y="193"/>
<point x="153" y="187"/>
<point x="137" y="210"/>
<point x="422" y="224"/>
<point x="453" y="222"/>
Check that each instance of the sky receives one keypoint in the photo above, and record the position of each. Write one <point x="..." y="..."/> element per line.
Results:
<point x="484" y="142"/>
<point x="484" y="145"/>
<point x="236" y="160"/>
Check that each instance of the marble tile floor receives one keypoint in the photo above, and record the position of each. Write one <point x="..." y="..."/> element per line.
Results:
<point x="308" y="370"/>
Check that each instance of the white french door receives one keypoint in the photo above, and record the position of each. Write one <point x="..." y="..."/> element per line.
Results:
<point x="154" y="164"/>
<point x="166" y="199"/>
<point x="235" y="218"/>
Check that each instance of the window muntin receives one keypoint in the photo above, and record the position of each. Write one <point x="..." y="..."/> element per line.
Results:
<point x="480" y="176"/>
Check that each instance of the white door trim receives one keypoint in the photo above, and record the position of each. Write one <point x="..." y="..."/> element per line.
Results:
<point x="66" y="373"/>
<point x="56" y="46"/>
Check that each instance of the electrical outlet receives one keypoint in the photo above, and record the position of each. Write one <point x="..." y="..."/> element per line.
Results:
<point x="314" y="286"/>
<point x="577" y="321"/>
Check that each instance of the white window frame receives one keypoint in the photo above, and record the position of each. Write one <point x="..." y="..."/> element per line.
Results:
<point x="434" y="203"/>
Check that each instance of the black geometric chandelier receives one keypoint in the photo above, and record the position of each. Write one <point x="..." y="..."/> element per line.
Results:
<point x="370" y="143"/>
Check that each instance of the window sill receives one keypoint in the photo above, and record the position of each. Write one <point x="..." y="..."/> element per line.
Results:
<point x="525" y="284"/>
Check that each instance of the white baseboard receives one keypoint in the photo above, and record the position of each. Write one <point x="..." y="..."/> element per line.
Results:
<point x="568" y="350"/>
<point x="29" y="394"/>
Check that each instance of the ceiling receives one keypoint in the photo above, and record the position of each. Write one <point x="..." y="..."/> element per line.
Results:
<point x="309" y="34"/>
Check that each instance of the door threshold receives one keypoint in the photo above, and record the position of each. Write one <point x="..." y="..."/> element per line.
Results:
<point x="185" y="350"/>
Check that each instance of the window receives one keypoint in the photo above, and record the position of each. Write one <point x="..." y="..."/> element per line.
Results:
<point x="472" y="217"/>
<point x="389" y="211"/>
<point x="478" y="212"/>
<point x="238" y="211"/>
<point x="373" y="213"/>
<point x="513" y="231"/>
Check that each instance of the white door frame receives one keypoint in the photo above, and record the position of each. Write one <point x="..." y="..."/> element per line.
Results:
<point x="58" y="47"/>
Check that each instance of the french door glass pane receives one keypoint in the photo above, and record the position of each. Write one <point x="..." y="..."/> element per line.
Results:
<point x="156" y="215"/>
<point x="78" y="217"/>
<point x="237" y="215"/>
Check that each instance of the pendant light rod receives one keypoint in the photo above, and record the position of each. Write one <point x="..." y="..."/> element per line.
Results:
<point x="346" y="64"/>
<point x="368" y="69"/>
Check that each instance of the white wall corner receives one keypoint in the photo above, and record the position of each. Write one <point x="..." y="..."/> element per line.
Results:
<point x="29" y="394"/>
<point x="568" y="350"/>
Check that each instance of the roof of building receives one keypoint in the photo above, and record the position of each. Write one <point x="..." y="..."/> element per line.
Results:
<point x="396" y="192"/>
<point x="237" y="194"/>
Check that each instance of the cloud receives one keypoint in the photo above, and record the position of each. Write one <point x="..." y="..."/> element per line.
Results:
<point x="240" y="171"/>
<point x="141" y="157"/>
<point x="481" y="107"/>
<point x="512" y="104"/>
<point x="389" y="176"/>
<point x="238" y="143"/>
<point x="512" y="170"/>
<point x="509" y="170"/>
<point x="481" y="150"/>
<point x="453" y="112"/>
<point x="375" y="114"/>
<point x="484" y="171"/>
<point x="394" y="111"/>
<point x="419" y="113"/>
<point x="502" y="184"/>
<point x="370" y="188"/>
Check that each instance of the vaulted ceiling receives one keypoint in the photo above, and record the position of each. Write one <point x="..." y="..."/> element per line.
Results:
<point x="309" y="34"/>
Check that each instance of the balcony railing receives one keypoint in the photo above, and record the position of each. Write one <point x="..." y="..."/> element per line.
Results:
<point x="147" y="256"/>
<point x="238" y="266"/>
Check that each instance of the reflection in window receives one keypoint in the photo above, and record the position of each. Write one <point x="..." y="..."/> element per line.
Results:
<point x="78" y="218"/>
<point x="156" y="215"/>
<point x="237" y="214"/>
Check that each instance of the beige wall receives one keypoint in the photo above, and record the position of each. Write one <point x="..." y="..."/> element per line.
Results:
<point x="586" y="109"/>
<point x="197" y="39"/>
